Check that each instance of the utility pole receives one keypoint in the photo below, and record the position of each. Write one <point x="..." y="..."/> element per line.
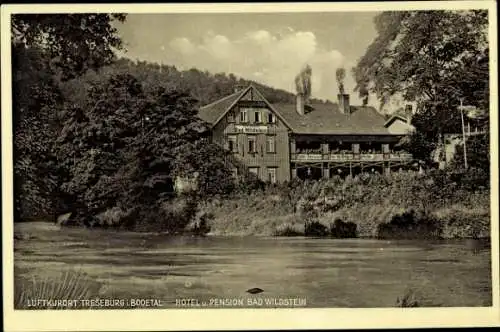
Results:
<point x="463" y="132"/>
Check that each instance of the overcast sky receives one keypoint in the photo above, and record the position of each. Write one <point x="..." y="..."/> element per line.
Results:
<point x="270" y="48"/>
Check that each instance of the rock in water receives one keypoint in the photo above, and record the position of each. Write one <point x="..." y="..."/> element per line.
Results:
<point x="63" y="219"/>
<point x="255" y="290"/>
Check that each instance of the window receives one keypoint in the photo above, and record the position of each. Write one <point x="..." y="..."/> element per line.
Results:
<point x="254" y="170"/>
<point x="230" y="116"/>
<point x="243" y="115"/>
<point x="271" y="118"/>
<point x="235" y="173"/>
<point x="232" y="143"/>
<point x="257" y="117"/>
<point x="271" y="174"/>
<point x="271" y="144"/>
<point x="251" y="144"/>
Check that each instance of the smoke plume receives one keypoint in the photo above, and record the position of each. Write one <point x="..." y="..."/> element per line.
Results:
<point x="303" y="82"/>
<point x="340" y="74"/>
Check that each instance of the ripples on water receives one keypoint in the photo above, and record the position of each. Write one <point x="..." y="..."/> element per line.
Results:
<point x="325" y="272"/>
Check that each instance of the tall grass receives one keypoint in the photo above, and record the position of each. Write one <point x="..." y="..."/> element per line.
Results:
<point x="69" y="285"/>
<point x="408" y="300"/>
<point x="366" y="201"/>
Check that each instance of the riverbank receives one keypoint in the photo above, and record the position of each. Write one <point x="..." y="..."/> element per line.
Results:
<point x="408" y="200"/>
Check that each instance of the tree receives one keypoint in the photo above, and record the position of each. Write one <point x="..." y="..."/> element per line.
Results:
<point x="211" y="163"/>
<point x="75" y="42"/>
<point x="435" y="58"/>
<point x="420" y="54"/>
<point x="37" y="101"/>
<point x="124" y="148"/>
<point x="46" y="48"/>
<point x="95" y="146"/>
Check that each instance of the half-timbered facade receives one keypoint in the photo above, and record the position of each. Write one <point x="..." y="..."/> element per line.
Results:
<point x="278" y="142"/>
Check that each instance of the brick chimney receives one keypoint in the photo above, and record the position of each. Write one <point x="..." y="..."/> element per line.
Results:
<point x="408" y="113"/>
<point x="300" y="103"/>
<point x="344" y="105"/>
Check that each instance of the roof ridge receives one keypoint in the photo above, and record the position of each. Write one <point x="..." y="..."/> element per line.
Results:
<point x="222" y="99"/>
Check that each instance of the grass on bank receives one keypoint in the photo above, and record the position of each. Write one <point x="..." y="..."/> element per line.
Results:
<point x="68" y="285"/>
<point x="367" y="202"/>
<point x="408" y="300"/>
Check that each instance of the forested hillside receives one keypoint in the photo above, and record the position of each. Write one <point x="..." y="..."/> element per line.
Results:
<point x="204" y="86"/>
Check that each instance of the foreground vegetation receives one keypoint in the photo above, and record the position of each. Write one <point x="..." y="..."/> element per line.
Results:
<point x="404" y="205"/>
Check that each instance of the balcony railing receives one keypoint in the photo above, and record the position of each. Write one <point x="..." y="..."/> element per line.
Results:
<point x="309" y="156"/>
<point x="341" y="157"/>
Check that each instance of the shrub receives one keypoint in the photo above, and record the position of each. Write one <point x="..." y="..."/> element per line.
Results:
<point x="112" y="217"/>
<point x="342" y="230"/>
<point x="314" y="228"/>
<point x="380" y="200"/>
<point x="287" y="230"/>
<point x="464" y="222"/>
<point x="171" y="216"/>
<point x="409" y="225"/>
<point x="474" y="178"/>
<point x="201" y="223"/>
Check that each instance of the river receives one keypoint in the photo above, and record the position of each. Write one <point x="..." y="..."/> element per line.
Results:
<point x="216" y="271"/>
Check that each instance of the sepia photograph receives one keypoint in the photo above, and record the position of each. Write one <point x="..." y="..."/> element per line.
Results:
<point x="214" y="158"/>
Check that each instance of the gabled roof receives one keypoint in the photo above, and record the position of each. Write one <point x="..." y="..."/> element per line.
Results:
<point x="323" y="119"/>
<point x="212" y="112"/>
<point x="394" y="117"/>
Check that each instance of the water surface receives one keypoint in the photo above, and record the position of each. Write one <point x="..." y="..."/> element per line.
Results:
<point x="318" y="272"/>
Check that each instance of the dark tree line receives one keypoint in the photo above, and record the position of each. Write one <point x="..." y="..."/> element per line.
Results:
<point x="100" y="137"/>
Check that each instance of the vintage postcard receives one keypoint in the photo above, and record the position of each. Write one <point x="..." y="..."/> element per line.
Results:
<point x="250" y="166"/>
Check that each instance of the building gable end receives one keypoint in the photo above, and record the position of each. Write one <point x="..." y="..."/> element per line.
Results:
<point x="252" y="94"/>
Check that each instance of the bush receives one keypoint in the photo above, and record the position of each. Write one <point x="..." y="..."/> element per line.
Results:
<point x="287" y="230"/>
<point x="464" y="222"/>
<point x="410" y="225"/>
<point x="315" y="228"/>
<point x="201" y="226"/>
<point x="171" y="216"/>
<point x="342" y="230"/>
<point x="112" y="217"/>
<point x="475" y="178"/>
<point x="378" y="201"/>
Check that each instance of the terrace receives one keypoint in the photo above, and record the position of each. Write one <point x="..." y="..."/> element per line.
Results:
<point x="349" y="156"/>
<point x="343" y="152"/>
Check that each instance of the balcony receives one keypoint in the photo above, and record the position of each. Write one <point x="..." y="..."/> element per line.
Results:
<point x="308" y="156"/>
<point x="346" y="157"/>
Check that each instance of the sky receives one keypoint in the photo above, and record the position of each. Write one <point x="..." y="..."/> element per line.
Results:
<point x="270" y="48"/>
